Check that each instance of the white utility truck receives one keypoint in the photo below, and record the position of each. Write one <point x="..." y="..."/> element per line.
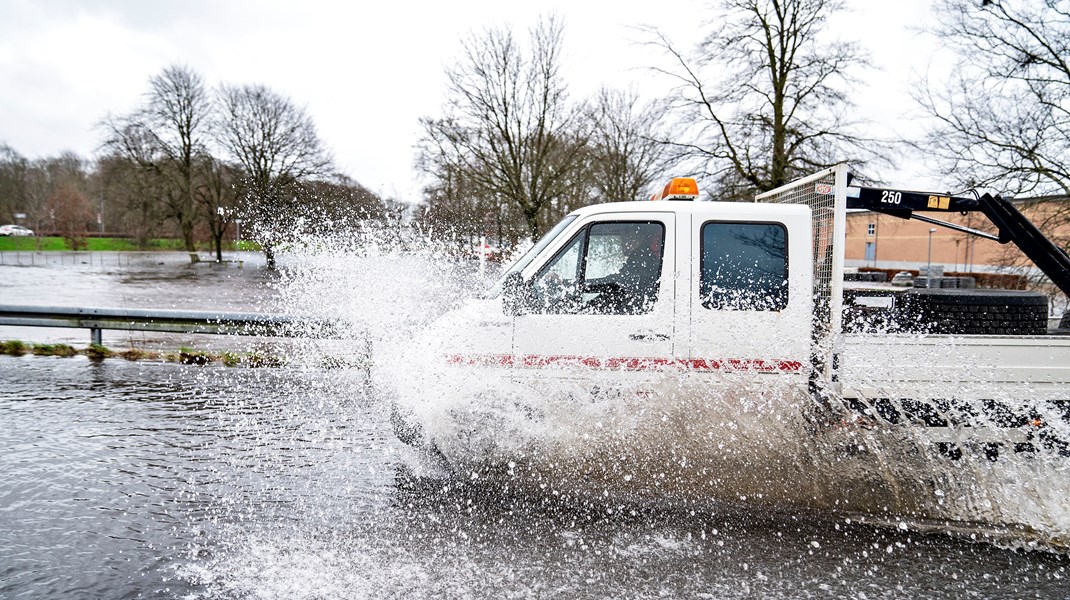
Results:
<point x="711" y="350"/>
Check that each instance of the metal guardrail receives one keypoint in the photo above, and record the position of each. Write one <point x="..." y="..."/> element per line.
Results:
<point x="168" y="321"/>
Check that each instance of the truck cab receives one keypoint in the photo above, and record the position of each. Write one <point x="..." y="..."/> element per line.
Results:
<point x="675" y="283"/>
<point x="654" y="322"/>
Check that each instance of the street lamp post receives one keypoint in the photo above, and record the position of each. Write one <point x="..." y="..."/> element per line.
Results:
<point x="929" y="269"/>
<point x="876" y="240"/>
<point x="100" y="215"/>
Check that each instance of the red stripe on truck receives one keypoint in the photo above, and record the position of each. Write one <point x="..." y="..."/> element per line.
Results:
<point x="533" y="361"/>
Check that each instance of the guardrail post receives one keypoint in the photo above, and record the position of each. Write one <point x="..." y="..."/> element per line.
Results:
<point x="95" y="338"/>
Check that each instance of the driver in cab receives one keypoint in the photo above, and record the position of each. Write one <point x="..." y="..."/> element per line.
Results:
<point x="634" y="287"/>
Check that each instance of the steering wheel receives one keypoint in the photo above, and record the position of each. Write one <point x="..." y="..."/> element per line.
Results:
<point x="610" y="297"/>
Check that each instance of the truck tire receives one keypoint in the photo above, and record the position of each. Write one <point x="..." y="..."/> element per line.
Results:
<point x="406" y="429"/>
<point x="974" y="312"/>
<point x="948" y="311"/>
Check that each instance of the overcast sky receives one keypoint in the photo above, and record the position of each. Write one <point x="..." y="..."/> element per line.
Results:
<point x="366" y="71"/>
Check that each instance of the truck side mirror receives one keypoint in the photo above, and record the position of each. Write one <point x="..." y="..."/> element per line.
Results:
<point x="514" y="294"/>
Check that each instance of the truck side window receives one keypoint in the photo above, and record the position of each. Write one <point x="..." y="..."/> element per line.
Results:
<point x="609" y="268"/>
<point x="744" y="266"/>
<point x="555" y="289"/>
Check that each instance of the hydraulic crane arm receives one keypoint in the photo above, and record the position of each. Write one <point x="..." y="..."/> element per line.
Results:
<point x="1013" y="225"/>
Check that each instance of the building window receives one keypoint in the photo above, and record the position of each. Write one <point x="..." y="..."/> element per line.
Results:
<point x="744" y="266"/>
<point x="871" y="229"/>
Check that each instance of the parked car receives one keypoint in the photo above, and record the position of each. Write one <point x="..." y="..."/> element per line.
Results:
<point x="903" y="279"/>
<point x="18" y="230"/>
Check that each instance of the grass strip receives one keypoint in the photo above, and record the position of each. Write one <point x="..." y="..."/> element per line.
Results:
<point x="109" y="244"/>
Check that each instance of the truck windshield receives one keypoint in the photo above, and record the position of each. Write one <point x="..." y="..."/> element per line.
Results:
<point x="530" y="255"/>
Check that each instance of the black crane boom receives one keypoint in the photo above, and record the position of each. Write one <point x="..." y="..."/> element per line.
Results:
<point x="1013" y="225"/>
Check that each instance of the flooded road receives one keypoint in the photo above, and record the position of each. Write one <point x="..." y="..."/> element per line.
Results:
<point x="155" y="480"/>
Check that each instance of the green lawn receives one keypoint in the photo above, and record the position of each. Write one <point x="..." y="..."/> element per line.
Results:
<point x="56" y="244"/>
<point x="8" y="243"/>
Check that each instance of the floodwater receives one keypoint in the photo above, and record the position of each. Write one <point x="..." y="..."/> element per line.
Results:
<point x="156" y="480"/>
<point x="163" y="280"/>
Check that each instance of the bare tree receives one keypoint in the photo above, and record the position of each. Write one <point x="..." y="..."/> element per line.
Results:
<point x="134" y="195"/>
<point x="216" y="196"/>
<point x="44" y="177"/>
<point x="763" y="97"/>
<point x="626" y="156"/>
<point x="509" y="128"/>
<point x="276" y="144"/>
<point x="71" y="212"/>
<point x="166" y="136"/>
<point x="179" y="115"/>
<point x="1004" y="119"/>
<point x="39" y="185"/>
<point x="457" y="211"/>
<point x="13" y="170"/>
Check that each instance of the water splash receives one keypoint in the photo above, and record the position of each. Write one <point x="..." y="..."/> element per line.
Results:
<point x="666" y="435"/>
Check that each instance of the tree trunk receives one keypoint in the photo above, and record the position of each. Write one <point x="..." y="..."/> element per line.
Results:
<point x="187" y="238"/>
<point x="269" y="254"/>
<point x="532" y="218"/>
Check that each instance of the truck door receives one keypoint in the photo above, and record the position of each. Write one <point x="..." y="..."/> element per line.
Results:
<point x="747" y="310"/>
<point x="606" y="297"/>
